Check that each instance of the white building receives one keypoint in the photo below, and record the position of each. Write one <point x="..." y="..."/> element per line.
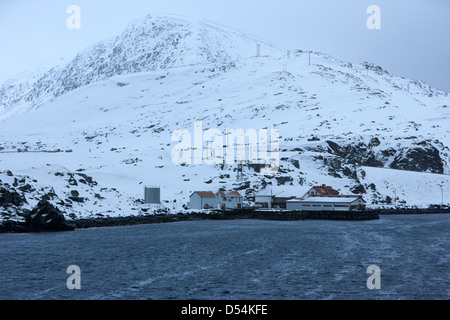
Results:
<point x="201" y="200"/>
<point x="273" y="198"/>
<point x="229" y="200"/>
<point x="324" y="203"/>
<point x="265" y="201"/>
<point x="321" y="191"/>
<point x="204" y="200"/>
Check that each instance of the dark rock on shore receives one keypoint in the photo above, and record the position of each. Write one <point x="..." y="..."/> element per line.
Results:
<point x="43" y="218"/>
<point x="46" y="217"/>
<point x="10" y="226"/>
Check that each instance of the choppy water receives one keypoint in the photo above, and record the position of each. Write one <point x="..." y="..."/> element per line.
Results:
<point x="234" y="260"/>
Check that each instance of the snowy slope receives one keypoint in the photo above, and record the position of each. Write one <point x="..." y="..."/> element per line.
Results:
<point x="355" y="127"/>
<point x="149" y="44"/>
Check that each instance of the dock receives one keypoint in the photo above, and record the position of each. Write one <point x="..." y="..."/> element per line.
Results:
<point x="285" y="215"/>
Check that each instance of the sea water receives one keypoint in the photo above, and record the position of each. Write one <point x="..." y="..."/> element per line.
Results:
<point x="233" y="260"/>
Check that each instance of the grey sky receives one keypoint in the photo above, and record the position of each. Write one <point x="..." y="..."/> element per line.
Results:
<point x="413" y="42"/>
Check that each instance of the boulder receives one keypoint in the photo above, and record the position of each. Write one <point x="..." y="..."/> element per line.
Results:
<point x="77" y="199"/>
<point x="419" y="159"/>
<point x="11" y="226"/>
<point x="74" y="193"/>
<point x="46" y="217"/>
<point x="26" y="188"/>
<point x="8" y="198"/>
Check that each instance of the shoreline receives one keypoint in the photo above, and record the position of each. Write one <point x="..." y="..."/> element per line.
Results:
<point x="201" y="216"/>
<point x="273" y="215"/>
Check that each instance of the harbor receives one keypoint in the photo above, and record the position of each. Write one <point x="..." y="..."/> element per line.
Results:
<point x="256" y="214"/>
<point x="237" y="214"/>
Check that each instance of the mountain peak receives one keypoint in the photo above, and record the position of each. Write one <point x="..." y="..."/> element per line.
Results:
<point x="148" y="44"/>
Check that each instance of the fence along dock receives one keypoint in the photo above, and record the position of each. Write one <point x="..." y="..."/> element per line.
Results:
<point x="302" y="215"/>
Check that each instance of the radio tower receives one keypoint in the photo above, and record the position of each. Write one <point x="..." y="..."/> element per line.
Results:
<point x="239" y="171"/>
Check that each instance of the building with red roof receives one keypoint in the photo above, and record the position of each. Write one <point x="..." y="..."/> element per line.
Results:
<point x="204" y="200"/>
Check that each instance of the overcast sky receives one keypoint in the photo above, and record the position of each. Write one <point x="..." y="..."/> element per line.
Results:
<point x="413" y="41"/>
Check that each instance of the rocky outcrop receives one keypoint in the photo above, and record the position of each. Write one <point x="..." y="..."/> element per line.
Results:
<point x="357" y="154"/>
<point x="8" y="198"/>
<point x="46" y="217"/>
<point x="43" y="218"/>
<point x="420" y="159"/>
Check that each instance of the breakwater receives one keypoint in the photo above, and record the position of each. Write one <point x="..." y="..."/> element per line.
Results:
<point x="252" y="214"/>
<point x="317" y="215"/>
<point x="227" y="215"/>
<point x="242" y="214"/>
<point x="415" y="211"/>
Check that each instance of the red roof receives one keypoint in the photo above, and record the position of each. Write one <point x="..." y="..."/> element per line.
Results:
<point x="324" y="190"/>
<point x="205" y="194"/>
<point x="229" y="194"/>
<point x="222" y="194"/>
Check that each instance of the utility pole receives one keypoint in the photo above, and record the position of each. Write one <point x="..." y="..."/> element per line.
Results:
<point x="442" y="196"/>
<point x="240" y="171"/>
<point x="208" y="152"/>
<point x="309" y="57"/>
<point x="395" y="198"/>
<point x="271" y="199"/>
<point x="226" y="150"/>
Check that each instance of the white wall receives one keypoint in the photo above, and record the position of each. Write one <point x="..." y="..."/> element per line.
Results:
<point x="264" y="199"/>
<point x="314" y="206"/>
<point x="230" y="203"/>
<point x="198" y="203"/>
<point x="311" y="206"/>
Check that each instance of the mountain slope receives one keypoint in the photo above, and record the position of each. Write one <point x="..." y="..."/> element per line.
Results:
<point x="149" y="44"/>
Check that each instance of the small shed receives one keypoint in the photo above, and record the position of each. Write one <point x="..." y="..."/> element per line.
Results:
<point x="152" y="195"/>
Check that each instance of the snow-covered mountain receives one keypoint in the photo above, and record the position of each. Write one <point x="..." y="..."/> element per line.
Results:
<point x="152" y="43"/>
<point x="89" y="135"/>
